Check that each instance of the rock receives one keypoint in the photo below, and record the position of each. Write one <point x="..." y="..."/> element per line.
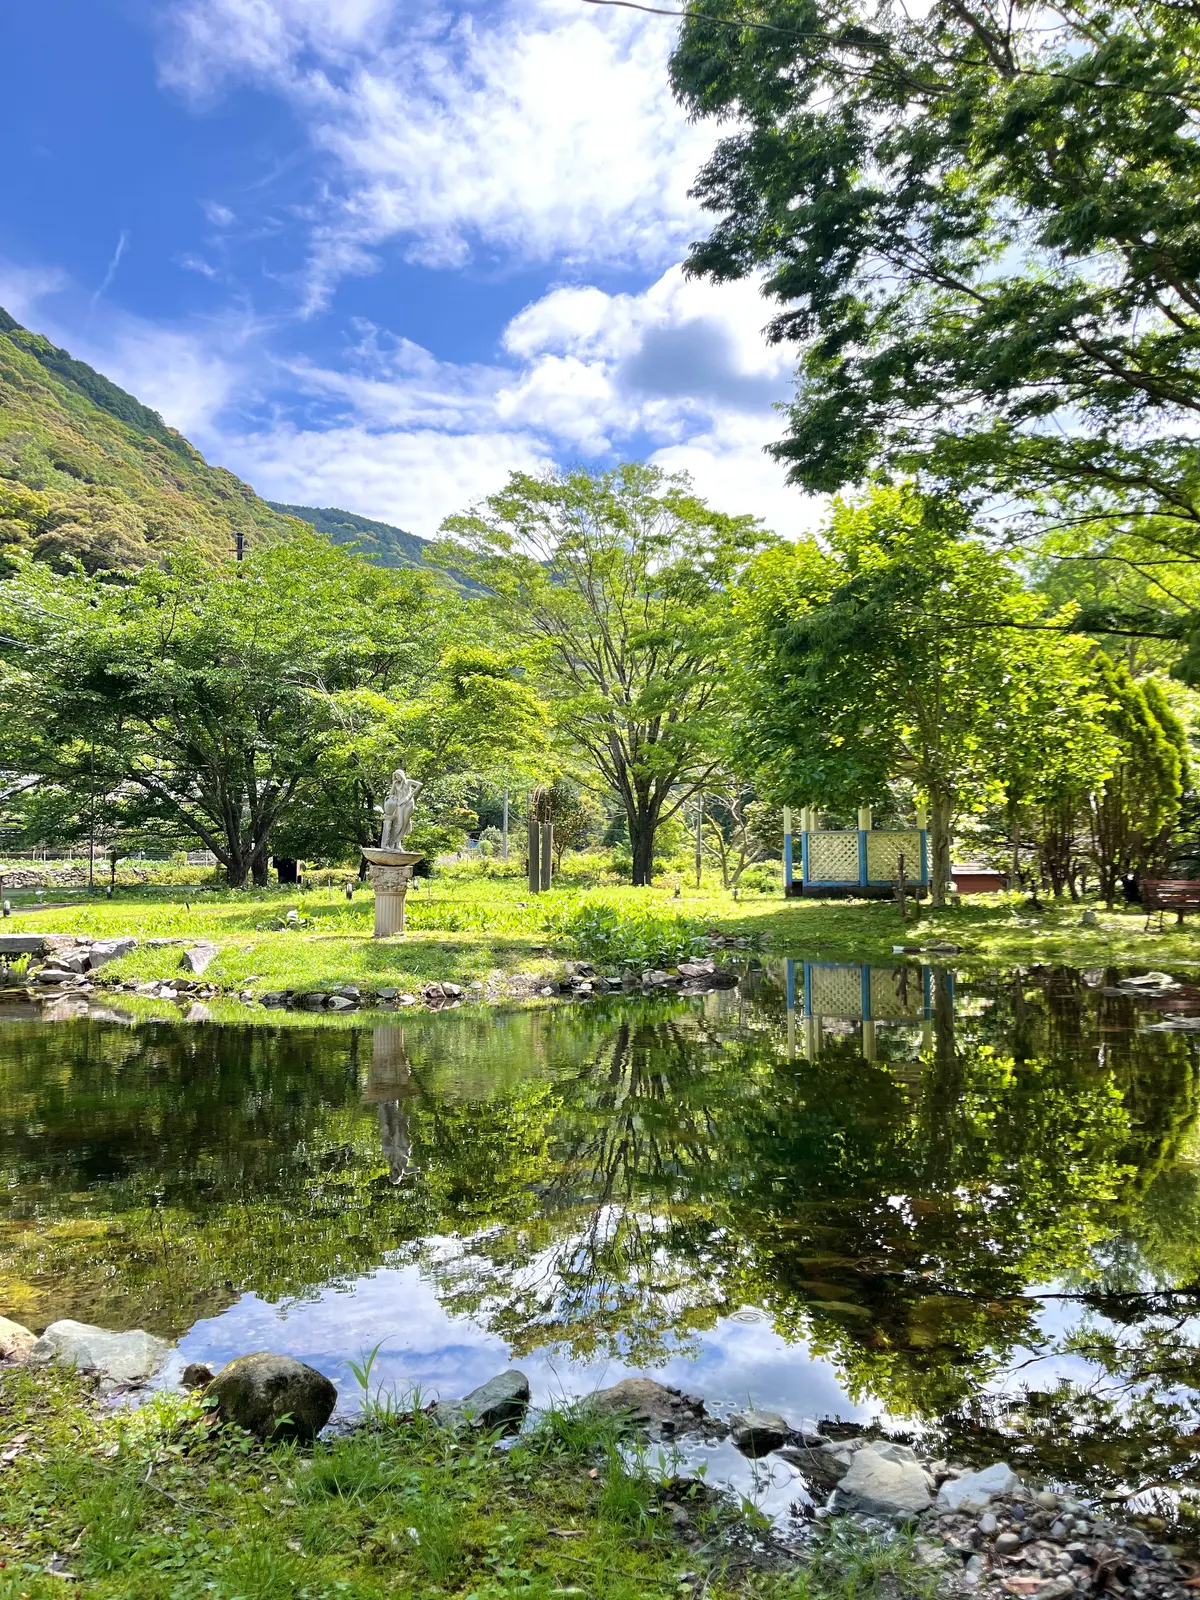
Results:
<point x="195" y="1376"/>
<point x="198" y="958"/>
<point x="500" y="1400"/>
<point x="1007" y="1543"/>
<point x="452" y="991"/>
<point x="114" y="1358"/>
<point x="106" y="950"/>
<point x="987" y="1525"/>
<point x="314" y="1000"/>
<point x="273" y="1396"/>
<point x="15" y="1341"/>
<point x="886" y="1486"/>
<point x="1055" y="1589"/>
<point x="388" y="994"/>
<point x="340" y="1002"/>
<point x="272" y="998"/>
<point x="828" y="1462"/>
<point x="197" y="1012"/>
<point x="697" y="969"/>
<point x="55" y="975"/>
<point x="757" y="1433"/>
<point x="644" y="1403"/>
<point x="1089" y="919"/>
<point x="655" y="978"/>
<point x="973" y="1491"/>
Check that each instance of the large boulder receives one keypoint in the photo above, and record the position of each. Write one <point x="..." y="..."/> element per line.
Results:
<point x="15" y="1341"/>
<point x="273" y="1396"/>
<point x="105" y="950"/>
<point x="973" y="1490"/>
<point x="501" y="1400"/>
<point x="117" y="1360"/>
<point x="198" y="958"/>
<point x="646" y="1404"/>
<point x="888" y="1480"/>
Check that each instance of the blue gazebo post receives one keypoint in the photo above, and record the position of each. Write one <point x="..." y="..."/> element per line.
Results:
<point x="923" y="829"/>
<point x="864" y="828"/>
<point x="787" y="850"/>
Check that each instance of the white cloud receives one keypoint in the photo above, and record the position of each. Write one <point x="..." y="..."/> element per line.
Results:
<point x="23" y="289"/>
<point x="542" y="130"/>
<point x="589" y="376"/>
<point x="412" y="479"/>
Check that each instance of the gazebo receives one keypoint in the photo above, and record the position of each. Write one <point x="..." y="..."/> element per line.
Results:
<point x="862" y="862"/>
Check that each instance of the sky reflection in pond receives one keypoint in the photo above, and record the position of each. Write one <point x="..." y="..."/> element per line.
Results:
<point x="882" y="1174"/>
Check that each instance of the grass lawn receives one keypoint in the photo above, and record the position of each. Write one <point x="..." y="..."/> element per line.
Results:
<point x="155" y="1505"/>
<point x="468" y="928"/>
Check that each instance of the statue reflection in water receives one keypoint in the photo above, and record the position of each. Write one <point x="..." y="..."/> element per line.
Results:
<point x="389" y="1085"/>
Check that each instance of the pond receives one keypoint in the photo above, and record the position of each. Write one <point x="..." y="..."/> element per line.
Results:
<point x="974" y="1215"/>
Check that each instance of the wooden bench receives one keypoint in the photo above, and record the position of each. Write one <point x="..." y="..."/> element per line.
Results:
<point x="1169" y="894"/>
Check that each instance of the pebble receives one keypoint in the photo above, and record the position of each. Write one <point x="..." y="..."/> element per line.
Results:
<point x="987" y="1525"/>
<point x="1008" y="1542"/>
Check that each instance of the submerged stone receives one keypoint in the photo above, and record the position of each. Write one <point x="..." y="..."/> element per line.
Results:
<point x="973" y="1490"/>
<point x="881" y="1480"/>
<point x="757" y="1433"/>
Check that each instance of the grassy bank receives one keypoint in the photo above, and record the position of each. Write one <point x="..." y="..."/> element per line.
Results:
<point x="489" y="931"/>
<point x="154" y="1505"/>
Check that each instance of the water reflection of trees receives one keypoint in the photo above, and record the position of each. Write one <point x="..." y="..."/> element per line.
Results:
<point x="618" y="1178"/>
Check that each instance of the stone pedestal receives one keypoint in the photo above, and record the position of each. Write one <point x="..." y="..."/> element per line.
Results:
<point x="391" y="874"/>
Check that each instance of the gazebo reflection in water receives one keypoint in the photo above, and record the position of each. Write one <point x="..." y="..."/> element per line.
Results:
<point x="820" y="992"/>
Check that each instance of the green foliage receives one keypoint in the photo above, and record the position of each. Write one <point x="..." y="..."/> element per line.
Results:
<point x="904" y="646"/>
<point x="620" y="582"/>
<point x="979" y="222"/>
<point x="621" y="934"/>
<point x="1133" y="813"/>
<point x="89" y="475"/>
<point x="378" y="541"/>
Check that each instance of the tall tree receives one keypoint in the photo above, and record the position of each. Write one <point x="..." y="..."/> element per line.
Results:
<point x="901" y="646"/>
<point x="623" y="579"/>
<point x="205" y="695"/>
<point x="980" y="219"/>
<point x="1132" y="813"/>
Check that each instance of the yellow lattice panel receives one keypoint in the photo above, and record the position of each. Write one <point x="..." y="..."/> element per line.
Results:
<point x="833" y="857"/>
<point x="836" y="991"/>
<point x="884" y="850"/>
<point x="896" y="993"/>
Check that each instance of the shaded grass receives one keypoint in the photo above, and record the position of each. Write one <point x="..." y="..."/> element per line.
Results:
<point x="155" y="1505"/>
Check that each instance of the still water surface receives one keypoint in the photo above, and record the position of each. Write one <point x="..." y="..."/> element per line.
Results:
<point x="970" y="1208"/>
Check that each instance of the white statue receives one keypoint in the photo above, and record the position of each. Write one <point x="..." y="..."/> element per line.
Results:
<point x="398" y="810"/>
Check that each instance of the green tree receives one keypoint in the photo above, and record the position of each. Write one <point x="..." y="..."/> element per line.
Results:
<point x="980" y="221"/>
<point x="1133" y="812"/>
<point x="901" y="646"/>
<point x="622" y="580"/>
<point x="203" y="696"/>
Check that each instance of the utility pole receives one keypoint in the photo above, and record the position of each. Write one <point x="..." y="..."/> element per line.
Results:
<point x="92" y="821"/>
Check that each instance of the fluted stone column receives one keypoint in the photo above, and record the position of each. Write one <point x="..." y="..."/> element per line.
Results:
<point x="391" y="873"/>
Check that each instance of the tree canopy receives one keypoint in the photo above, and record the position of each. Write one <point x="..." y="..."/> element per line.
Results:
<point x="621" y="582"/>
<point x="981" y="222"/>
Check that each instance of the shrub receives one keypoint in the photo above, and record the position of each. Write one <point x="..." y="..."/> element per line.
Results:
<point x="629" y="935"/>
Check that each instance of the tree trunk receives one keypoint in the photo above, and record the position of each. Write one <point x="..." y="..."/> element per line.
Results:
<point x="1016" y="848"/>
<point x="641" y="835"/>
<point x="939" y="845"/>
<point x="236" y="872"/>
<point x="259" y="868"/>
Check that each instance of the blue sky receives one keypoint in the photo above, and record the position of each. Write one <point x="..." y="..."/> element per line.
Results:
<point x="377" y="254"/>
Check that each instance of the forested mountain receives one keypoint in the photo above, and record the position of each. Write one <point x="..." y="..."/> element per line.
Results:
<point x="87" y="472"/>
<point x="378" y="541"/>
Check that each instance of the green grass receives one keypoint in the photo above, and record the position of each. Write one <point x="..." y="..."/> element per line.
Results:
<point x="154" y="1504"/>
<point x="485" y="929"/>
